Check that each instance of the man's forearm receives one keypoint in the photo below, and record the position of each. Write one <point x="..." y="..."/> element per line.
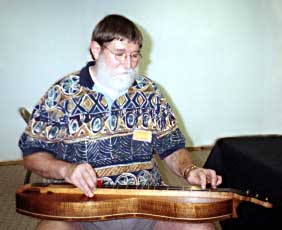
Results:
<point x="45" y="165"/>
<point x="179" y="161"/>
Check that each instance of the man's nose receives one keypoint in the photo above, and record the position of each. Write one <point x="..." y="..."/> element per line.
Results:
<point x="128" y="63"/>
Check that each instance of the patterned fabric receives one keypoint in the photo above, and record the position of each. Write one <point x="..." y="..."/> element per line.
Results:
<point x="74" y="123"/>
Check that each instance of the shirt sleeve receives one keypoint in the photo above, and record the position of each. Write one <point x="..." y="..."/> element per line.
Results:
<point x="169" y="137"/>
<point x="46" y="127"/>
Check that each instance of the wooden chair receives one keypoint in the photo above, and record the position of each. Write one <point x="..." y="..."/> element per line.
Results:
<point x="25" y="114"/>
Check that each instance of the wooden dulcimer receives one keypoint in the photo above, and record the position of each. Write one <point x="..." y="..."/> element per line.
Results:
<point x="191" y="204"/>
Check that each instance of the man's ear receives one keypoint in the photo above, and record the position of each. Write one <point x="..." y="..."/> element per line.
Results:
<point x="95" y="49"/>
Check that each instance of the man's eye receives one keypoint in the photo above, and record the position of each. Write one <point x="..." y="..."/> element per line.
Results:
<point x="119" y="54"/>
<point x="135" y="55"/>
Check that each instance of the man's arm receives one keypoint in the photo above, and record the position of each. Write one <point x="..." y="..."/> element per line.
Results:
<point x="180" y="162"/>
<point x="46" y="165"/>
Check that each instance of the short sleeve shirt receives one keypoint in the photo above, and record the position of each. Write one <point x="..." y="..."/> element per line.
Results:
<point x="75" y="124"/>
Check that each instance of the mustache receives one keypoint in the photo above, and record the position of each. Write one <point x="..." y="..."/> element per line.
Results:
<point x="126" y="71"/>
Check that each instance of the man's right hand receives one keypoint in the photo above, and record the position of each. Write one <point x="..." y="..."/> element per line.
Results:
<point x="46" y="165"/>
<point x="82" y="176"/>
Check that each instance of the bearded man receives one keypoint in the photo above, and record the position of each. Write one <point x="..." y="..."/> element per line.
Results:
<point x="104" y="122"/>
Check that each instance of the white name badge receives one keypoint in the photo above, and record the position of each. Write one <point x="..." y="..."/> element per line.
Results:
<point x="142" y="135"/>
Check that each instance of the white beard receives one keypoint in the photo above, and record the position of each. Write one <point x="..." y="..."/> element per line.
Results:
<point x="117" y="80"/>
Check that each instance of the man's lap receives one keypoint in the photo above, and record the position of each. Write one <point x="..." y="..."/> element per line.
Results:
<point x="128" y="224"/>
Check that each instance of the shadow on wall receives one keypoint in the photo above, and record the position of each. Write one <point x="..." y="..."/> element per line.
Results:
<point x="143" y="68"/>
<point x="146" y="51"/>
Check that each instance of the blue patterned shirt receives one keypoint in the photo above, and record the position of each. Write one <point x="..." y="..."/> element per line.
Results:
<point x="74" y="122"/>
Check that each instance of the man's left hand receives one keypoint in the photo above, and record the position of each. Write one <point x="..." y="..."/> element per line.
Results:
<point x="202" y="177"/>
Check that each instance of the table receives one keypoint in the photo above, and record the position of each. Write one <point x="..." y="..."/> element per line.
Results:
<point x="251" y="163"/>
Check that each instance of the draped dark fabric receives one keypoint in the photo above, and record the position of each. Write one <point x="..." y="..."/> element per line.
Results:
<point x="254" y="164"/>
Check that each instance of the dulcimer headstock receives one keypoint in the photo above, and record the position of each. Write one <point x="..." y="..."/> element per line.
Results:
<point x="249" y="196"/>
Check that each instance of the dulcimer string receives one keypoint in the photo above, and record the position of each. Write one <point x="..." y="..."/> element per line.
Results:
<point x="158" y="190"/>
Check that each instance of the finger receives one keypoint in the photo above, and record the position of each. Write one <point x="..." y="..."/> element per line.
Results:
<point x="92" y="173"/>
<point x="79" y="180"/>
<point x="203" y="179"/>
<point x="82" y="184"/>
<point x="89" y="179"/>
<point x="219" y="180"/>
<point x="213" y="178"/>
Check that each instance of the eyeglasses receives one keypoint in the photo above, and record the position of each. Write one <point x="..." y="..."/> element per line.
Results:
<point x="121" y="55"/>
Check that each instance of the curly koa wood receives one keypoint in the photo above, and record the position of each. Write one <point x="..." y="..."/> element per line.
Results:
<point x="66" y="202"/>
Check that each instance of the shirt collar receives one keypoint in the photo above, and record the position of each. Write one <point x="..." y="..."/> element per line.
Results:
<point x="84" y="76"/>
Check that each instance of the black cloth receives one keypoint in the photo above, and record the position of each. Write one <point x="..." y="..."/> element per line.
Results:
<point x="254" y="164"/>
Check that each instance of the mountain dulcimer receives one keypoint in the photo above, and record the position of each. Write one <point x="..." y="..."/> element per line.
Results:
<point x="191" y="204"/>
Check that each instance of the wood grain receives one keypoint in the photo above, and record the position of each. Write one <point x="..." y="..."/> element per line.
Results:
<point x="190" y="204"/>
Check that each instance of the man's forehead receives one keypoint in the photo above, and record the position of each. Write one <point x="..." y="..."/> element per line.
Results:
<point x="124" y="44"/>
